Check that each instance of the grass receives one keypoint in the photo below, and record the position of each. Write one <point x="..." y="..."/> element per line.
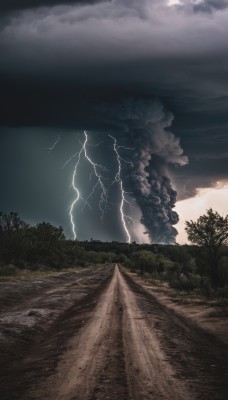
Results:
<point x="11" y="273"/>
<point x="222" y="302"/>
<point x="195" y="295"/>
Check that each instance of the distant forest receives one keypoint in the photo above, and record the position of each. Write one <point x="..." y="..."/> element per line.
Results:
<point x="186" y="267"/>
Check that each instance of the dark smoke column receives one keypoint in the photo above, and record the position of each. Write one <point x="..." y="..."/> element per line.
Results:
<point x="157" y="206"/>
<point x="146" y="124"/>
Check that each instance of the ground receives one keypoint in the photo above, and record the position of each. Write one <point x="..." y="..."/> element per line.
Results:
<point x="103" y="333"/>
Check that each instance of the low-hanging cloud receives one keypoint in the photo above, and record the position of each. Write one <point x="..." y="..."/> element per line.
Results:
<point x="157" y="49"/>
<point x="113" y="29"/>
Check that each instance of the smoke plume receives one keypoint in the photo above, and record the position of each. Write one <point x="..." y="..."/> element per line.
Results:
<point x="145" y="125"/>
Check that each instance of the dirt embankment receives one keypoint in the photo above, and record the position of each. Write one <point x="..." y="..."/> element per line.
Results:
<point x="119" y="342"/>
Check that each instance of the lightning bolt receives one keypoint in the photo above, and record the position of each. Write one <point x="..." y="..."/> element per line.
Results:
<point x="96" y="168"/>
<point x="69" y="160"/>
<point x="118" y="180"/>
<point x="54" y="144"/>
<point x="103" y="202"/>
<point x="76" y="190"/>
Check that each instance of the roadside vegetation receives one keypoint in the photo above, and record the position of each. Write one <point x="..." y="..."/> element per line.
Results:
<point x="200" y="268"/>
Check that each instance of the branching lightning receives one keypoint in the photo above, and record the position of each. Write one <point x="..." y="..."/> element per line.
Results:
<point x="97" y="173"/>
<point x="54" y="144"/>
<point x="124" y="201"/>
<point x="103" y="203"/>
<point x="96" y="168"/>
<point x="69" y="160"/>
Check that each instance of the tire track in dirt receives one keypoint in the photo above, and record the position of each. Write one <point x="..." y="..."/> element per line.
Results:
<point x="90" y="366"/>
<point x="113" y="378"/>
<point x="121" y="343"/>
<point x="196" y="356"/>
<point x="28" y="360"/>
<point x="150" y="375"/>
<point x="116" y="355"/>
<point x="15" y="295"/>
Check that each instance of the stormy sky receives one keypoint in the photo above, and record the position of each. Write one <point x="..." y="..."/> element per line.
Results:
<point x="152" y="73"/>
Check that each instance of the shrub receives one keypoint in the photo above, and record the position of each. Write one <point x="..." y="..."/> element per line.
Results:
<point x="206" y="286"/>
<point x="222" y="293"/>
<point x="184" y="282"/>
<point x="145" y="260"/>
<point x="8" y="270"/>
<point x="223" y="271"/>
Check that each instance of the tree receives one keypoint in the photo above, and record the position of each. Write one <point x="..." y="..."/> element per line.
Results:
<point x="11" y="222"/>
<point x="13" y="232"/>
<point x="145" y="261"/>
<point x="210" y="232"/>
<point x="48" y="233"/>
<point x="45" y="244"/>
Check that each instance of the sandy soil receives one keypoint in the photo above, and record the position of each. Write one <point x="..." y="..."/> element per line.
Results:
<point x="207" y="314"/>
<point x="116" y="340"/>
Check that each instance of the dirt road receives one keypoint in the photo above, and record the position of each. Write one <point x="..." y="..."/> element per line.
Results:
<point x="119" y="342"/>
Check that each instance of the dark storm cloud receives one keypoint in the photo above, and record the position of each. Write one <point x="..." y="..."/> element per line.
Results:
<point x="60" y="64"/>
<point x="204" y="138"/>
<point x="111" y="49"/>
<point x="210" y="6"/>
<point x="67" y="55"/>
<point x="8" y="6"/>
<point x="144" y="46"/>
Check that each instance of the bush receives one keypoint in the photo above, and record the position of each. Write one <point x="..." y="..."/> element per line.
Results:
<point x="206" y="286"/>
<point x="8" y="270"/>
<point x="222" y="293"/>
<point x="145" y="260"/>
<point x="184" y="282"/>
<point x="129" y="264"/>
<point x="223" y="271"/>
<point x="154" y="276"/>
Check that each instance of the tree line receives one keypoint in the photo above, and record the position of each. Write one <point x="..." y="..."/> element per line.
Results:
<point x="40" y="246"/>
<point x="202" y="265"/>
